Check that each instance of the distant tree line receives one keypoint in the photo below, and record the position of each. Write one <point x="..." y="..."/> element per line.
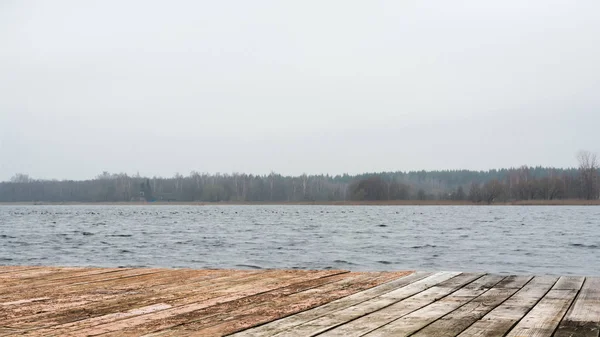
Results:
<point x="523" y="183"/>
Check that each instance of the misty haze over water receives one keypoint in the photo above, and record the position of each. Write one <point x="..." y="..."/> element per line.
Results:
<point x="141" y="101"/>
<point x="159" y="87"/>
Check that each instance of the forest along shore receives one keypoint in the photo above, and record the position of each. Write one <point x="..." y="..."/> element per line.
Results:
<point x="520" y="186"/>
<point x="561" y="202"/>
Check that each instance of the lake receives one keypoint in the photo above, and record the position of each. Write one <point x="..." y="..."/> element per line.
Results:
<point x="501" y="239"/>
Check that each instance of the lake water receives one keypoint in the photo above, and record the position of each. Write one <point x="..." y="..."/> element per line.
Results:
<point x="501" y="239"/>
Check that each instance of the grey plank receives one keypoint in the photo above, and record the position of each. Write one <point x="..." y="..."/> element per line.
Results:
<point x="543" y="319"/>
<point x="583" y="318"/>
<point x="337" y="318"/>
<point x="460" y="319"/>
<point x="498" y="321"/>
<point x="413" y="322"/>
<point x="514" y="281"/>
<point x="308" y="315"/>
<point x="569" y="283"/>
<point x="365" y="324"/>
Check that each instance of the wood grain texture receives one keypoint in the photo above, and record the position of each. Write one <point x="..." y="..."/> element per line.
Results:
<point x="55" y="301"/>
<point x="309" y="315"/>
<point x="460" y="319"/>
<point x="500" y="320"/>
<point x="569" y="283"/>
<point x="583" y="318"/>
<point x="368" y="323"/>
<point x="543" y="319"/>
<point x="187" y="305"/>
<point x="343" y="316"/>
<point x="227" y="321"/>
<point x="419" y="319"/>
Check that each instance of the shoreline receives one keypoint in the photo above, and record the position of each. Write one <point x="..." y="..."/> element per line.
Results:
<point x="565" y="202"/>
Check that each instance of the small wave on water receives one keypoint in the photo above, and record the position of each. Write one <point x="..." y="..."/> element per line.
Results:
<point x="581" y="245"/>
<point x="345" y="262"/>
<point x="250" y="266"/>
<point x="37" y="258"/>
<point x="423" y="246"/>
<point x="384" y="262"/>
<point x="264" y="237"/>
<point x="21" y="243"/>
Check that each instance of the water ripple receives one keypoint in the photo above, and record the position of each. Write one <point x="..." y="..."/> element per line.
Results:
<point x="517" y="239"/>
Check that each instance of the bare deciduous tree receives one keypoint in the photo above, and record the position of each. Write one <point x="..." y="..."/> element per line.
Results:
<point x="523" y="183"/>
<point x="492" y="191"/>
<point x="20" y="178"/>
<point x="588" y="173"/>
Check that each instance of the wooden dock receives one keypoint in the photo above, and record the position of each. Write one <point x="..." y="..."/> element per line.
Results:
<point x="49" y="301"/>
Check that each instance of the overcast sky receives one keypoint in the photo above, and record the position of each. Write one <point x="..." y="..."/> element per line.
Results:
<point x="159" y="87"/>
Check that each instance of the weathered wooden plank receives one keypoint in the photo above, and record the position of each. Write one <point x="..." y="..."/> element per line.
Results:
<point x="117" y="280"/>
<point x="543" y="319"/>
<point x="61" y="272"/>
<point x="29" y="273"/>
<point x="337" y="318"/>
<point x="82" y="282"/>
<point x="460" y="319"/>
<point x="55" y="279"/>
<point x="122" y="315"/>
<point x="26" y="271"/>
<point x="577" y="329"/>
<point x="28" y="300"/>
<point x="94" y="299"/>
<point x="416" y="320"/>
<point x="283" y="279"/>
<point x="72" y="320"/>
<point x="514" y="281"/>
<point x="40" y="301"/>
<point x="583" y="318"/>
<point x="130" y="298"/>
<point x="569" y="283"/>
<point x="370" y="322"/>
<point x="236" y="316"/>
<point x="115" y="297"/>
<point x="12" y="269"/>
<point x="111" y="274"/>
<point x="498" y="321"/>
<point x="309" y="315"/>
<point x="229" y="308"/>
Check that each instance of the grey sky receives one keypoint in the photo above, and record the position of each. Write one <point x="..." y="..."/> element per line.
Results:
<point x="295" y="86"/>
